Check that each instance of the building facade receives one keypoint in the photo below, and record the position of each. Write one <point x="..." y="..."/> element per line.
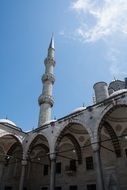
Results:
<point x="85" y="150"/>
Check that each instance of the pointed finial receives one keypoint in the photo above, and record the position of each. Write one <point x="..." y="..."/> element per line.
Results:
<point x="51" y="45"/>
<point x="114" y="78"/>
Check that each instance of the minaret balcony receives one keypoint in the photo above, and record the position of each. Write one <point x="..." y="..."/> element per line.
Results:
<point x="48" y="77"/>
<point x="45" y="99"/>
<point x="50" y="61"/>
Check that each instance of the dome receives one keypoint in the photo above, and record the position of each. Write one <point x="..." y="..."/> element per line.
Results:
<point x="49" y="121"/>
<point x="78" y="109"/>
<point x="7" y="121"/>
<point x="118" y="92"/>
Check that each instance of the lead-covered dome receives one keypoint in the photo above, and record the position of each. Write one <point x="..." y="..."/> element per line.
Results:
<point x="118" y="92"/>
<point x="78" y="109"/>
<point x="7" y="121"/>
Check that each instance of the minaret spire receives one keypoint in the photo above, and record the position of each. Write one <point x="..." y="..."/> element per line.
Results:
<point x="46" y="99"/>
<point x="51" y="45"/>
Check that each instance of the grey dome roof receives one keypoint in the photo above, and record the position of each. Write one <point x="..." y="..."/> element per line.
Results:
<point x="118" y="92"/>
<point x="49" y="121"/>
<point x="7" y="121"/>
<point x="78" y="109"/>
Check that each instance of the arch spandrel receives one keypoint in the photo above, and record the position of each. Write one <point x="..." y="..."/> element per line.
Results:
<point x="73" y="122"/>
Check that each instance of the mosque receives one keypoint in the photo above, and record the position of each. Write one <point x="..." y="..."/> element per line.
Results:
<point x="85" y="150"/>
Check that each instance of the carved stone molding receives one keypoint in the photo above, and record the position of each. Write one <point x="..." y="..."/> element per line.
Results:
<point x="48" y="76"/>
<point x="50" y="61"/>
<point x="45" y="99"/>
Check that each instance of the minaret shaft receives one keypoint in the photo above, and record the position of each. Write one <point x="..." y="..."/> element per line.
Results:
<point x="46" y="99"/>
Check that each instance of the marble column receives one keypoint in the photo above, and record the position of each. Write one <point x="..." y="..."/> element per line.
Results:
<point x="21" y="183"/>
<point x="52" y="171"/>
<point x="98" y="168"/>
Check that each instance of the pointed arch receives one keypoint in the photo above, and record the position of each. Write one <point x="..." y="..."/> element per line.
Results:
<point x="13" y="147"/>
<point x="42" y="138"/>
<point x="15" y="152"/>
<point x="40" y="145"/>
<point x="113" y="137"/>
<point x="106" y="111"/>
<point x="15" y="142"/>
<point x="71" y="122"/>
<point x="7" y="134"/>
<point x="75" y="143"/>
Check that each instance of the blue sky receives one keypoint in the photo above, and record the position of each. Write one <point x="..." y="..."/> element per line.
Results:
<point x="90" y="42"/>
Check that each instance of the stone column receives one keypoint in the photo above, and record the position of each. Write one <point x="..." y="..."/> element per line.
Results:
<point x="52" y="171"/>
<point x="1" y="175"/>
<point x="21" y="183"/>
<point x="98" y="168"/>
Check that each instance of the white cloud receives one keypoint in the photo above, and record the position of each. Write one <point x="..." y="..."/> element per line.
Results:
<point x="104" y="20"/>
<point x="82" y="5"/>
<point x="109" y="16"/>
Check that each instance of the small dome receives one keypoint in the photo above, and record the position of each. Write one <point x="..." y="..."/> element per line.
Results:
<point x="78" y="109"/>
<point x="118" y="92"/>
<point x="49" y="121"/>
<point x="7" y="121"/>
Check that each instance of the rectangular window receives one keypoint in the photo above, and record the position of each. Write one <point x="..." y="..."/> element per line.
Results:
<point x="45" y="171"/>
<point x="73" y="187"/>
<point x="58" y="188"/>
<point x="91" y="187"/>
<point x="58" y="167"/>
<point x="73" y="165"/>
<point x="89" y="163"/>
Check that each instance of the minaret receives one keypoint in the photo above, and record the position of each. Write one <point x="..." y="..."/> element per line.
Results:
<point x="45" y="100"/>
